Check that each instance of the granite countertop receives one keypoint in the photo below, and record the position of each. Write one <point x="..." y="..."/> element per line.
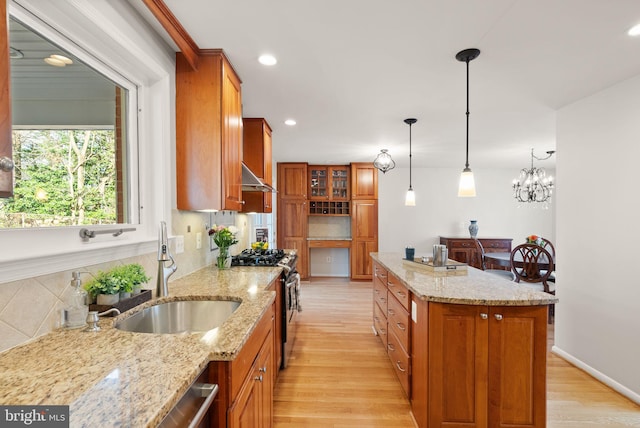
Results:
<point x="117" y="378"/>
<point x="476" y="288"/>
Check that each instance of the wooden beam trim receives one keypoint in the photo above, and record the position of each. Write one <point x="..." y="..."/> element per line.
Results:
<point x="180" y="36"/>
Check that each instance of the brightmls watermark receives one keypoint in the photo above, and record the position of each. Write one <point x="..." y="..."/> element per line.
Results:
<point x="34" y="416"/>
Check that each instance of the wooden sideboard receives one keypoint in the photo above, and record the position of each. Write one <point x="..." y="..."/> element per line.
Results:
<point x="464" y="249"/>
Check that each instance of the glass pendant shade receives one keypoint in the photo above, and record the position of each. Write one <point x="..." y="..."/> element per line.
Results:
<point x="410" y="198"/>
<point x="467" y="186"/>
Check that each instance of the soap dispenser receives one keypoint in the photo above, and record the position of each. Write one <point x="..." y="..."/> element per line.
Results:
<point x="76" y="310"/>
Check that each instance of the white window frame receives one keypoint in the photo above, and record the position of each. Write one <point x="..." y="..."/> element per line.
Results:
<point x="101" y="32"/>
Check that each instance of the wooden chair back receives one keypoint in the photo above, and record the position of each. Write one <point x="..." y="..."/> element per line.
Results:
<point x="532" y="263"/>
<point x="480" y="254"/>
<point x="547" y="245"/>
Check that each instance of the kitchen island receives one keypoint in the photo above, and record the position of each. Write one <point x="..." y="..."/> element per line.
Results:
<point x="469" y="350"/>
<point x="118" y="378"/>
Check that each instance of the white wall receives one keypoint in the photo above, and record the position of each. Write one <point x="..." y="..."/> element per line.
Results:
<point x="440" y="212"/>
<point x="598" y="317"/>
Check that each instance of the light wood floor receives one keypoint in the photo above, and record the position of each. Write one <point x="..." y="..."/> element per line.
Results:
<point x="340" y="376"/>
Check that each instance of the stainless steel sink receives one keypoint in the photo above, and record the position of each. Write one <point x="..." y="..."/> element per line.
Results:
<point x="185" y="316"/>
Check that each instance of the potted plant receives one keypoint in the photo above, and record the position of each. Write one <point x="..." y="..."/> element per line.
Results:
<point x="105" y="287"/>
<point x="117" y="283"/>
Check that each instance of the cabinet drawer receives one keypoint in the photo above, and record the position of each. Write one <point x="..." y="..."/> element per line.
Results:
<point x="498" y="245"/>
<point x="329" y="243"/>
<point x="380" y="323"/>
<point x="398" y="290"/>
<point x="399" y="322"/>
<point x="400" y="361"/>
<point x="380" y="295"/>
<point x="380" y="273"/>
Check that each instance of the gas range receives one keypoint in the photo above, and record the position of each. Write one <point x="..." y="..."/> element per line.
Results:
<point x="271" y="257"/>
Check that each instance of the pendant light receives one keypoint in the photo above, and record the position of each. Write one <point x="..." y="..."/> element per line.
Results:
<point x="467" y="186"/>
<point x="410" y="199"/>
<point x="383" y="161"/>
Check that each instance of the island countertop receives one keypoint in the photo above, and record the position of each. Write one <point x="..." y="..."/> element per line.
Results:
<point x="118" y="378"/>
<point x="475" y="288"/>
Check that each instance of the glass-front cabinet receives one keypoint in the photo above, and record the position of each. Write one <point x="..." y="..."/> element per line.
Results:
<point x="329" y="190"/>
<point x="329" y="182"/>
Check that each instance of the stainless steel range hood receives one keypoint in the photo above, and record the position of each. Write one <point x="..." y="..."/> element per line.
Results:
<point x="251" y="183"/>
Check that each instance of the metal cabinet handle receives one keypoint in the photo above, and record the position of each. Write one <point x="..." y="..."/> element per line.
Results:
<point x="484" y="316"/>
<point x="399" y="366"/>
<point x="391" y="312"/>
<point x="498" y="317"/>
<point x="401" y="326"/>
<point x="391" y="348"/>
<point x="402" y="294"/>
<point x="6" y="164"/>
<point x="258" y="378"/>
<point x="263" y="369"/>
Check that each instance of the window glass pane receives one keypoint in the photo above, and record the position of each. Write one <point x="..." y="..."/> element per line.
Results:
<point x="69" y="139"/>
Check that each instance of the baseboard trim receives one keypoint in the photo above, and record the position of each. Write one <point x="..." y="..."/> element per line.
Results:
<point x="631" y="395"/>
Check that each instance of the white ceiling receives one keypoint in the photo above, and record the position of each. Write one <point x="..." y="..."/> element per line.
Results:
<point x="350" y="71"/>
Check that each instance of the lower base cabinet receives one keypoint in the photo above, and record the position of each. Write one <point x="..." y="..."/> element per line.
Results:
<point x="245" y="399"/>
<point x="479" y="366"/>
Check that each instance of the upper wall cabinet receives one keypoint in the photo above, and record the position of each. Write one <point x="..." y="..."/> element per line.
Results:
<point x="256" y="153"/>
<point x="6" y="162"/>
<point x="364" y="181"/>
<point x="329" y="182"/>
<point x="208" y="134"/>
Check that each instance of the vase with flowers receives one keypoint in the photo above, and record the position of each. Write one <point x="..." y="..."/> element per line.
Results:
<point x="224" y="237"/>
<point x="533" y="239"/>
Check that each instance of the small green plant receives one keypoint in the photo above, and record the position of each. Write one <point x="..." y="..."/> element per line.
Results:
<point x="118" y="279"/>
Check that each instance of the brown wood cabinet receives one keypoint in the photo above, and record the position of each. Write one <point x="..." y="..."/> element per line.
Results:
<point x="246" y="384"/>
<point x="391" y="322"/>
<point x="465" y="375"/>
<point x="329" y="183"/>
<point x="364" y="237"/>
<point x="208" y="134"/>
<point x="364" y="181"/>
<point x="256" y="154"/>
<point x="292" y="212"/>
<point x="464" y="249"/>
<point x="6" y="145"/>
<point x="292" y="180"/>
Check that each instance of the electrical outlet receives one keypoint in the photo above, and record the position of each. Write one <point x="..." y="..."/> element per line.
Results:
<point x="198" y="240"/>
<point x="328" y="259"/>
<point x="179" y="243"/>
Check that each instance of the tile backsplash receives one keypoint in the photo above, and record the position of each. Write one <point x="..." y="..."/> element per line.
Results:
<point x="32" y="307"/>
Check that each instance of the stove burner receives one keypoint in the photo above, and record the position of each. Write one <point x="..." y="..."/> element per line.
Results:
<point x="251" y="257"/>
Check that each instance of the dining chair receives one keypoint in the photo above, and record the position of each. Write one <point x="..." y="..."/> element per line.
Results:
<point x="507" y="274"/>
<point x="533" y="265"/>
<point x="547" y="245"/>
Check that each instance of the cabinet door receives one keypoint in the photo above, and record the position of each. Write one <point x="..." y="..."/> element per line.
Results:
<point x="256" y="154"/>
<point x="364" y="181"/>
<point x="292" y="180"/>
<point x="318" y="182"/>
<point x="364" y="233"/>
<point x="231" y="139"/>
<point x="458" y="364"/>
<point x="245" y="413"/>
<point x="292" y="230"/>
<point x="6" y="177"/>
<point x="517" y="366"/>
<point x="339" y="176"/>
<point x="266" y="381"/>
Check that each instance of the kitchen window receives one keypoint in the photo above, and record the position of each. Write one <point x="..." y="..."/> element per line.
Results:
<point x="93" y="141"/>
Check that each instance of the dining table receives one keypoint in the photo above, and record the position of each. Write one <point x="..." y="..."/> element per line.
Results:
<point x="504" y="259"/>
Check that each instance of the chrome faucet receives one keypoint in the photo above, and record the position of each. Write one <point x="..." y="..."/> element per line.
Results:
<point x="164" y="272"/>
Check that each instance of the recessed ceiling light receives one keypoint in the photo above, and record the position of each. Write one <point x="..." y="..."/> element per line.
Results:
<point x="58" y="60"/>
<point x="54" y="62"/>
<point x="290" y="122"/>
<point x="267" y="59"/>
<point x="634" y="31"/>
<point x="62" y="58"/>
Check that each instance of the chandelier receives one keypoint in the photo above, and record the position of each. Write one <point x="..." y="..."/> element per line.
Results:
<point x="533" y="185"/>
<point x="384" y="162"/>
